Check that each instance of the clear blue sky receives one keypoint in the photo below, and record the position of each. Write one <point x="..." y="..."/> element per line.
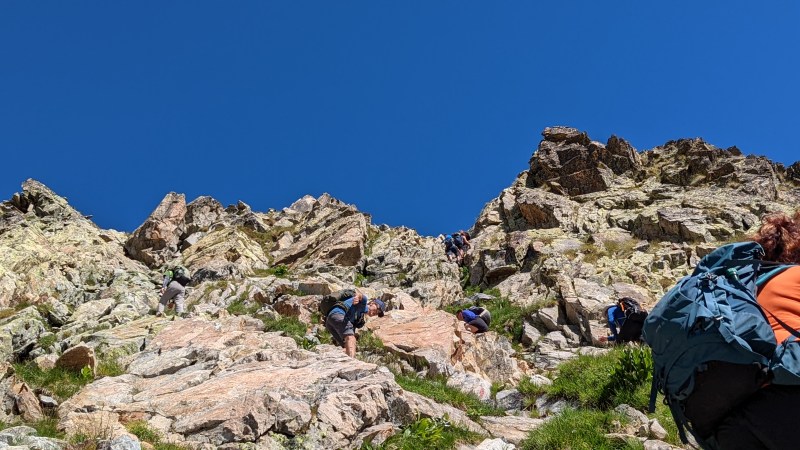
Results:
<point x="416" y="112"/>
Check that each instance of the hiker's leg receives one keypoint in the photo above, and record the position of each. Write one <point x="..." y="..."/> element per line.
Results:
<point x="349" y="339"/>
<point x="165" y="298"/>
<point x="334" y="323"/>
<point x="179" y="298"/>
<point x="350" y="346"/>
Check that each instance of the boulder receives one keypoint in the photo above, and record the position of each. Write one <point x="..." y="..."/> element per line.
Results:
<point x="156" y="241"/>
<point x="77" y="358"/>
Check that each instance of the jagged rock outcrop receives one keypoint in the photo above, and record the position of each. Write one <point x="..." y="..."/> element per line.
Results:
<point x="607" y="217"/>
<point x="226" y="381"/>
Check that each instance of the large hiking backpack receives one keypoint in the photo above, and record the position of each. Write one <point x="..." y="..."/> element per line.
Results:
<point x="458" y="240"/>
<point x="483" y="313"/>
<point x="335" y="299"/>
<point x="711" y="342"/>
<point x="635" y="315"/>
<point x="180" y="274"/>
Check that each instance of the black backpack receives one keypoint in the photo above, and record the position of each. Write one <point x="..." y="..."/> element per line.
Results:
<point x="181" y="275"/>
<point x="483" y="313"/>
<point x="335" y="299"/>
<point x="458" y="240"/>
<point x="635" y="315"/>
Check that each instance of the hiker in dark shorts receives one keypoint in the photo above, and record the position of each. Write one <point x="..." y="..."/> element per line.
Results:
<point x="472" y="321"/>
<point x="343" y="320"/>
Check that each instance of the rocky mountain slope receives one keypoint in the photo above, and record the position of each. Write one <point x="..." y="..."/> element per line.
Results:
<point x="586" y="223"/>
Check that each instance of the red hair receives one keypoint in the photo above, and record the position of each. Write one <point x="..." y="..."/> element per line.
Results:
<point x="780" y="236"/>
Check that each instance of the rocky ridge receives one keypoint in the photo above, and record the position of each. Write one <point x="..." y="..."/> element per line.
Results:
<point x="585" y="223"/>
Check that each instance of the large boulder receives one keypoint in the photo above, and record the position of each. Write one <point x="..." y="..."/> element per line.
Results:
<point x="156" y="240"/>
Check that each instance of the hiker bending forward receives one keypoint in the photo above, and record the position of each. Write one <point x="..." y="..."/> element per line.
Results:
<point x="472" y="321"/>
<point x="172" y="289"/>
<point x="343" y="321"/>
<point x="766" y="420"/>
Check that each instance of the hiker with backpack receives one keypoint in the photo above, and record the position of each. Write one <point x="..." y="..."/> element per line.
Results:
<point x="766" y="419"/>
<point x="476" y="319"/>
<point x="450" y="248"/>
<point x="461" y="241"/>
<point x="344" y="312"/>
<point x="725" y="346"/>
<point x="173" y="288"/>
<point x="625" y="320"/>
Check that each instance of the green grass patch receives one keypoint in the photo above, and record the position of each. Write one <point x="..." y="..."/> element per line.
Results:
<point x="427" y="433"/>
<point x="62" y="383"/>
<point x="47" y="340"/>
<point x="291" y="327"/>
<point x="582" y="429"/>
<point x="48" y="427"/>
<point x="109" y="366"/>
<point x="243" y="307"/>
<point x="438" y="390"/>
<point x="145" y="433"/>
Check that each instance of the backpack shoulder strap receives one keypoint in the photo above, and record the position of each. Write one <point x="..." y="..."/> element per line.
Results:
<point x="775" y="269"/>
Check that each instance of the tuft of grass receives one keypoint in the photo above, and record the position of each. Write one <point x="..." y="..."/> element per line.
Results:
<point x="438" y="390"/>
<point x="110" y="366"/>
<point x="61" y="382"/>
<point x="142" y="430"/>
<point x="291" y="326"/>
<point x="530" y="391"/>
<point x="243" y="307"/>
<point x="48" y="427"/>
<point x="427" y="433"/>
<point x="581" y="429"/>
<point x="47" y="340"/>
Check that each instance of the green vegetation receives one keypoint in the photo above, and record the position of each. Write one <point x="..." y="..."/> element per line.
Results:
<point x="48" y="427"/>
<point x="242" y="306"/>
<point x="360" y="279"/>
<point x="47" y="340"/>
<point x="291" y="327"/>
<point x="145" y="433"/>
<point x="582" y="429"/>
<point x="427" y="433"/>
<point x="62" y="383"/>
<point x="109" y="366"/>
<point x="438" y="390"/>
<point x="597" y="384"/>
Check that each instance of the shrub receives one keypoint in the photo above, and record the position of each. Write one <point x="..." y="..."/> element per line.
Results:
<point x="583" y="429"/>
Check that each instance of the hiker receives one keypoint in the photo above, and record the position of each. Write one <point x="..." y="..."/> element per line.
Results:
<point x="475" y="319"/>
<point x="626" y="310"/>
<point x="765" y="420"/>
<point x="461" y="242"/>
<point x="173" y="289"/>
<point x="347" y="315"/>
<point x="450" y="249"/>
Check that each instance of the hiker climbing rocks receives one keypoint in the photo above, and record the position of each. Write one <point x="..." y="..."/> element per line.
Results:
<point x="765" y="420"/>
<point x="625" y="320"/>
<point x="344" y="312"/>
<point x="173" y="289"/>
<point x="476" y="319"/>
<point x="450" y="249"/>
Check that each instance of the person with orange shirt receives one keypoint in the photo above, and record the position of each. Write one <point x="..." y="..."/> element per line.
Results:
<point x="767" y="419"/>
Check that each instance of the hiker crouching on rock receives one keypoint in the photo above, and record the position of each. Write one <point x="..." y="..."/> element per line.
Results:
<point x="472" y="321"/>
<point x="766" y="420"/>
<point x="344" y="318"/>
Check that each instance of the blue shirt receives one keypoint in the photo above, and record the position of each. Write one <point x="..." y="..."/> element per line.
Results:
<point x="615" y="319"/>
<point x="353" y="315"/>
<point x="468" y="315"/>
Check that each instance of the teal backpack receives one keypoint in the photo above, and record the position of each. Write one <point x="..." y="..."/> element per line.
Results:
<point x="711" y="342"/>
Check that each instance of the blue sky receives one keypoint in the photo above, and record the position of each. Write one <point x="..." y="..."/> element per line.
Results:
<point x="416" y="112"/>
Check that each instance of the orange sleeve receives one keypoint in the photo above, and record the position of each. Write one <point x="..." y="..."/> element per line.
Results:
<point x="781" y="297"/>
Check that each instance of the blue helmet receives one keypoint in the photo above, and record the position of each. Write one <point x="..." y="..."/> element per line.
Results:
<point x="448" y="237"/>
